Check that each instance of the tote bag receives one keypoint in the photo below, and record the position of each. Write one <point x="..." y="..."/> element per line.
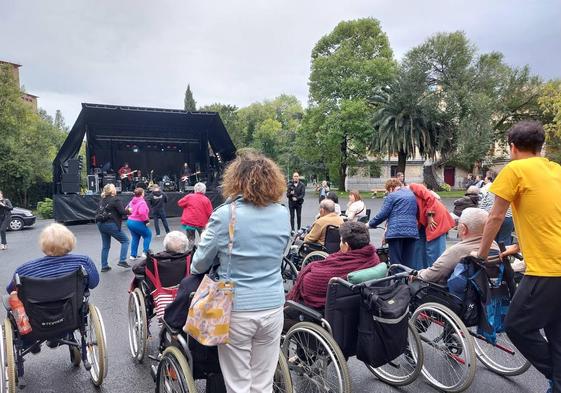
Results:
<point x="208" y="320"/>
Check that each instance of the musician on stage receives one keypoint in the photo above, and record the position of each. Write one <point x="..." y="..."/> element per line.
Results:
<point x="125" y="174"/>
<point x="185" y="175"/>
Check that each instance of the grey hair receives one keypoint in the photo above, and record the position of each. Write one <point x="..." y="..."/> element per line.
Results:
<point x="176" y="241"/>
<point x="200" y="187"/>
<point x="474" y="219"/>
<point x="328" y="205"/>
<point x="472" y="190"/>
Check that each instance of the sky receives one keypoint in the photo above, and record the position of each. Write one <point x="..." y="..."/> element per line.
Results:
<point x="144" y="53"/>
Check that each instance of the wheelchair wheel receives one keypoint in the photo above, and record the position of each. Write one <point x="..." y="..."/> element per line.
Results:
<point x="282" y="382"/>
<point x="314" y="256"/>
<point x="289" y="273"/>
<point x="174" y="374"/>
<point x="315" y="360"/>
<point x="449" y="356"/>
<point x="406" y="367"/>
<point x="9" y="377"/>
<point x="96" y="346"/>
<point x="138" y="325"/>
<point x="502" y="358"/>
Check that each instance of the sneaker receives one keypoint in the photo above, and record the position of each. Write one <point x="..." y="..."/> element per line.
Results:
<point x="132" y="258"/>
<point x="123" y="264"/>
<point x="143" y="255"/>
<point x="158" y="235"/>
<point x="550" y="388"/>
<point x="105" y="269"/>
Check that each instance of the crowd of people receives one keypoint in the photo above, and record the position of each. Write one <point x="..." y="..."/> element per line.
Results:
<point x="244" y="241"/>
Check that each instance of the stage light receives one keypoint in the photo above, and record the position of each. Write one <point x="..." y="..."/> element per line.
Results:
<point x="135" y="149"/>
<point x="162" y="149"/>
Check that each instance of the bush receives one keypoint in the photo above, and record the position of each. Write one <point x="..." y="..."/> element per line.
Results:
<point x="445" y="187"/>
<point x="45" y="208"/>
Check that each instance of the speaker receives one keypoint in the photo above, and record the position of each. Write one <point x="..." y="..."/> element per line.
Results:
<point x="118" y="186"/>
<point x="70" y="187"/>
<point x="71" y="178"/>
<point x="74" y="165"/>
<point x="93" y="183"/>
<point x="108" y="179"/>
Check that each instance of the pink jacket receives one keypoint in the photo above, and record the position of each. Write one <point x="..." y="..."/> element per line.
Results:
<point x="139" y="209"/>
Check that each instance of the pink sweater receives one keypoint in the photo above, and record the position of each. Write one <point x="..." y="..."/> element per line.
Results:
<point x="139" y="209"/>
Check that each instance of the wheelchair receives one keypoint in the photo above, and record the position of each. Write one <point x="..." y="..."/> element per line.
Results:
<point x="299" y="256"/>
<point x="319" y="345"/>
<point x="149" y="294"/>
<point x="451" y="348"/>
<point x="182" y="360"/>
<point x="59" y="314"/>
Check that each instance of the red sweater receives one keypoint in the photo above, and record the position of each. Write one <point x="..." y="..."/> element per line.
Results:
<point x="313" y="279"/>
<point x="196" y="210"/>
<point x="426" y="202"/>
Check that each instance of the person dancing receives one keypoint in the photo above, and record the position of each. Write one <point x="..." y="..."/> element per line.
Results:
<point x="138" y="218"/>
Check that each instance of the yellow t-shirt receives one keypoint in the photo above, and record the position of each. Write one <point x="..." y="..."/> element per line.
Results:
<point x="533" y="187"/>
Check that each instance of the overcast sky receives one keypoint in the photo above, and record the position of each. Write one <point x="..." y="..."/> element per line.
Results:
<point x="143" y="53"/>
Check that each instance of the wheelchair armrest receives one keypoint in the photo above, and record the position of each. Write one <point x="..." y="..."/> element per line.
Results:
<point x="313" y="246"/>
<point x="173" y="331"/>
<point x="304" y="309"/>
<point x="6" y="302"/>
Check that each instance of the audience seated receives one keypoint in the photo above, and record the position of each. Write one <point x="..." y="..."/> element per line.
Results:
<point x="327" y="216"/>
<point x="470" y="231"/>
<point x="56" y="242"/>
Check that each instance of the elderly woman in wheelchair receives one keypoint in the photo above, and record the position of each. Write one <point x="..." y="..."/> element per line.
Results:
<point x="54" y="292"/>
<point x="155" y="284"/>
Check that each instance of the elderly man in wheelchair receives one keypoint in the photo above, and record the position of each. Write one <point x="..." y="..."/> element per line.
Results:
<point x="49" y="302"/>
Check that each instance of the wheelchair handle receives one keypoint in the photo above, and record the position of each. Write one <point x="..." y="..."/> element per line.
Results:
<point x="403" y="268"/>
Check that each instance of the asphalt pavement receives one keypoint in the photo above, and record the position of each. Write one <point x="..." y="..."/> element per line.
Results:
<point x="50" y="371"/>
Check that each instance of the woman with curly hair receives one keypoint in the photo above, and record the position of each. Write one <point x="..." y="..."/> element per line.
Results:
<point x="255" y="185"/>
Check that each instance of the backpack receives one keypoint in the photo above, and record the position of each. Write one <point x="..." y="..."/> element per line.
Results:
<point x="102" y="214"/>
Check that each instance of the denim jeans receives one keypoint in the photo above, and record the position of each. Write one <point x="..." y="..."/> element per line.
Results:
<point x="108" y="230"/>
<point x="160" y="216"/>
<point x="435" y="248"/>
<point x="139" y="229"/>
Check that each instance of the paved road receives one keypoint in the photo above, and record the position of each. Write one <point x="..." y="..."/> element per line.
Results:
<point x="50" y="371"/>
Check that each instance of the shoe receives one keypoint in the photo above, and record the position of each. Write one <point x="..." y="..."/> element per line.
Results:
<point x="3" y="246"/>
<point x="550" y="388"/>
<point x="143" y="255"/>
<point x="123" y="264"/>
<point x="105" y="269"/>
<point x="132" y="258"/>
<point x="158" y="235"/>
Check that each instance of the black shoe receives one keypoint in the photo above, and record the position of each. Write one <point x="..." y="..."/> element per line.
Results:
<point x="123" y="264"/>
<point x="105" y="269"/>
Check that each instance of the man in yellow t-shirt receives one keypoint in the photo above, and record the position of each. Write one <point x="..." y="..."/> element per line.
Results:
<point x="532" y="185"/>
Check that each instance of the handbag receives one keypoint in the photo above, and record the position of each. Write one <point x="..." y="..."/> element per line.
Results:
<point x="208" y="320"/>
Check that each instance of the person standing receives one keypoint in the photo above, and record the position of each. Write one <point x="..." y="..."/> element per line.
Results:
<point x="253" y="186"/>
<point x="158" y="201"/>
<point x="138" y="218"/>
<point x="197" y="209"/>
<point x="184" y="176"/>
<point x="109" y="219"/>
<point x="125" y="174"/>
<point x="5" y="217"/>
<point x="400" y="212"/>
<point x="323" y="190"/>
<point x="295" y="194"/>
<point x="531" y="184"/>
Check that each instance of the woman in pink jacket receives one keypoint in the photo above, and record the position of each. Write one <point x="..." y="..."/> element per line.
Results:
<point x="138" y="218"/>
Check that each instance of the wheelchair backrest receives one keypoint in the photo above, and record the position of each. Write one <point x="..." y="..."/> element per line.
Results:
<point x="332" y="239"/>
<point x="54" y="305"/>
<point x="168" y="271"/>
<point x="366" y="218"/>
<point x="342" y="310"/>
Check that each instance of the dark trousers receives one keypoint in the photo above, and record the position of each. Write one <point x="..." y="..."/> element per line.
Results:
<point x="402" y="251"/>
<point x="160" y="216"/>
<point x="536" y="306"/>
<point x="4" y="221"/>
<point x="505" y="232"/>
<point x="295" y="208"/>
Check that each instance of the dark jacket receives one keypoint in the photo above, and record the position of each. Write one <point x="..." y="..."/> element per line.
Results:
<point x="172" y="267"/>
<point x="400" y="210"/>
<point x="157" y="202"/>
<point x="297" y="191"/>
<point x="469" y="200"/>
<point x="5" y="211"/>
<point x="116" y="209"/>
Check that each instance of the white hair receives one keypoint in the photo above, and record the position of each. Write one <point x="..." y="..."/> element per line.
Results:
<point x="200" y="187"/>
<point x="328" y="205"/>
<point x="474" y="219"/>
<point x="176" y="241"/>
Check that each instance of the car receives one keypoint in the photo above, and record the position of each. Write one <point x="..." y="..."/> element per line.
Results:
<point x="21" y="218"/>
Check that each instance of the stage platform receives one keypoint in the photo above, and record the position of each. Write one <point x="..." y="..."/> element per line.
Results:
<point x="74" y="208"/>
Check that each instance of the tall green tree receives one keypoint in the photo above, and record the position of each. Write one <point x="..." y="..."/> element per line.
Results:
<point x="346" y="65"/>
<point x="189" y="103"/>
<point x="550" y="105"/>
<point x="229" y="115"/>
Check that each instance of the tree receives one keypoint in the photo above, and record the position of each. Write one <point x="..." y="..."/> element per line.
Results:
<point x="59" y="121"/>
<point x="229" y="116"/>
<point x="550" y="105"/>
<point x="346" y="65"/>
<point x="189" y="103"/>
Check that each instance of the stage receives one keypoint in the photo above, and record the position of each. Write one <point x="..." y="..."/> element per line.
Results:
<point x="155" y="143"/>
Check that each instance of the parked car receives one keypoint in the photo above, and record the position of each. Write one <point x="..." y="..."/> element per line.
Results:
<point x="21" y="218"/>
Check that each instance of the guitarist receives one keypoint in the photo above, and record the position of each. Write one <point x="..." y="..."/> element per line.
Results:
<point x="185" y="174"/>
<point x="125" y="174"/>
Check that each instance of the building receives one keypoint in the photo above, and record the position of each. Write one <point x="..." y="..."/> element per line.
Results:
<point x="29" y="99"/>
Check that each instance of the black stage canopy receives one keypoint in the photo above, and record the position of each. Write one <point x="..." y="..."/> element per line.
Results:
<point x="149" y="139"/>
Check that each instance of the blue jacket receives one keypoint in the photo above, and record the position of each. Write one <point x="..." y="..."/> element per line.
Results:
<point x="260" y="239"/>
<point x="400" y="210"/>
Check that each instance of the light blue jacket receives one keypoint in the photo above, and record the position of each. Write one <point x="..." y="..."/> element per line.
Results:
<point x="260" y="239"/>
